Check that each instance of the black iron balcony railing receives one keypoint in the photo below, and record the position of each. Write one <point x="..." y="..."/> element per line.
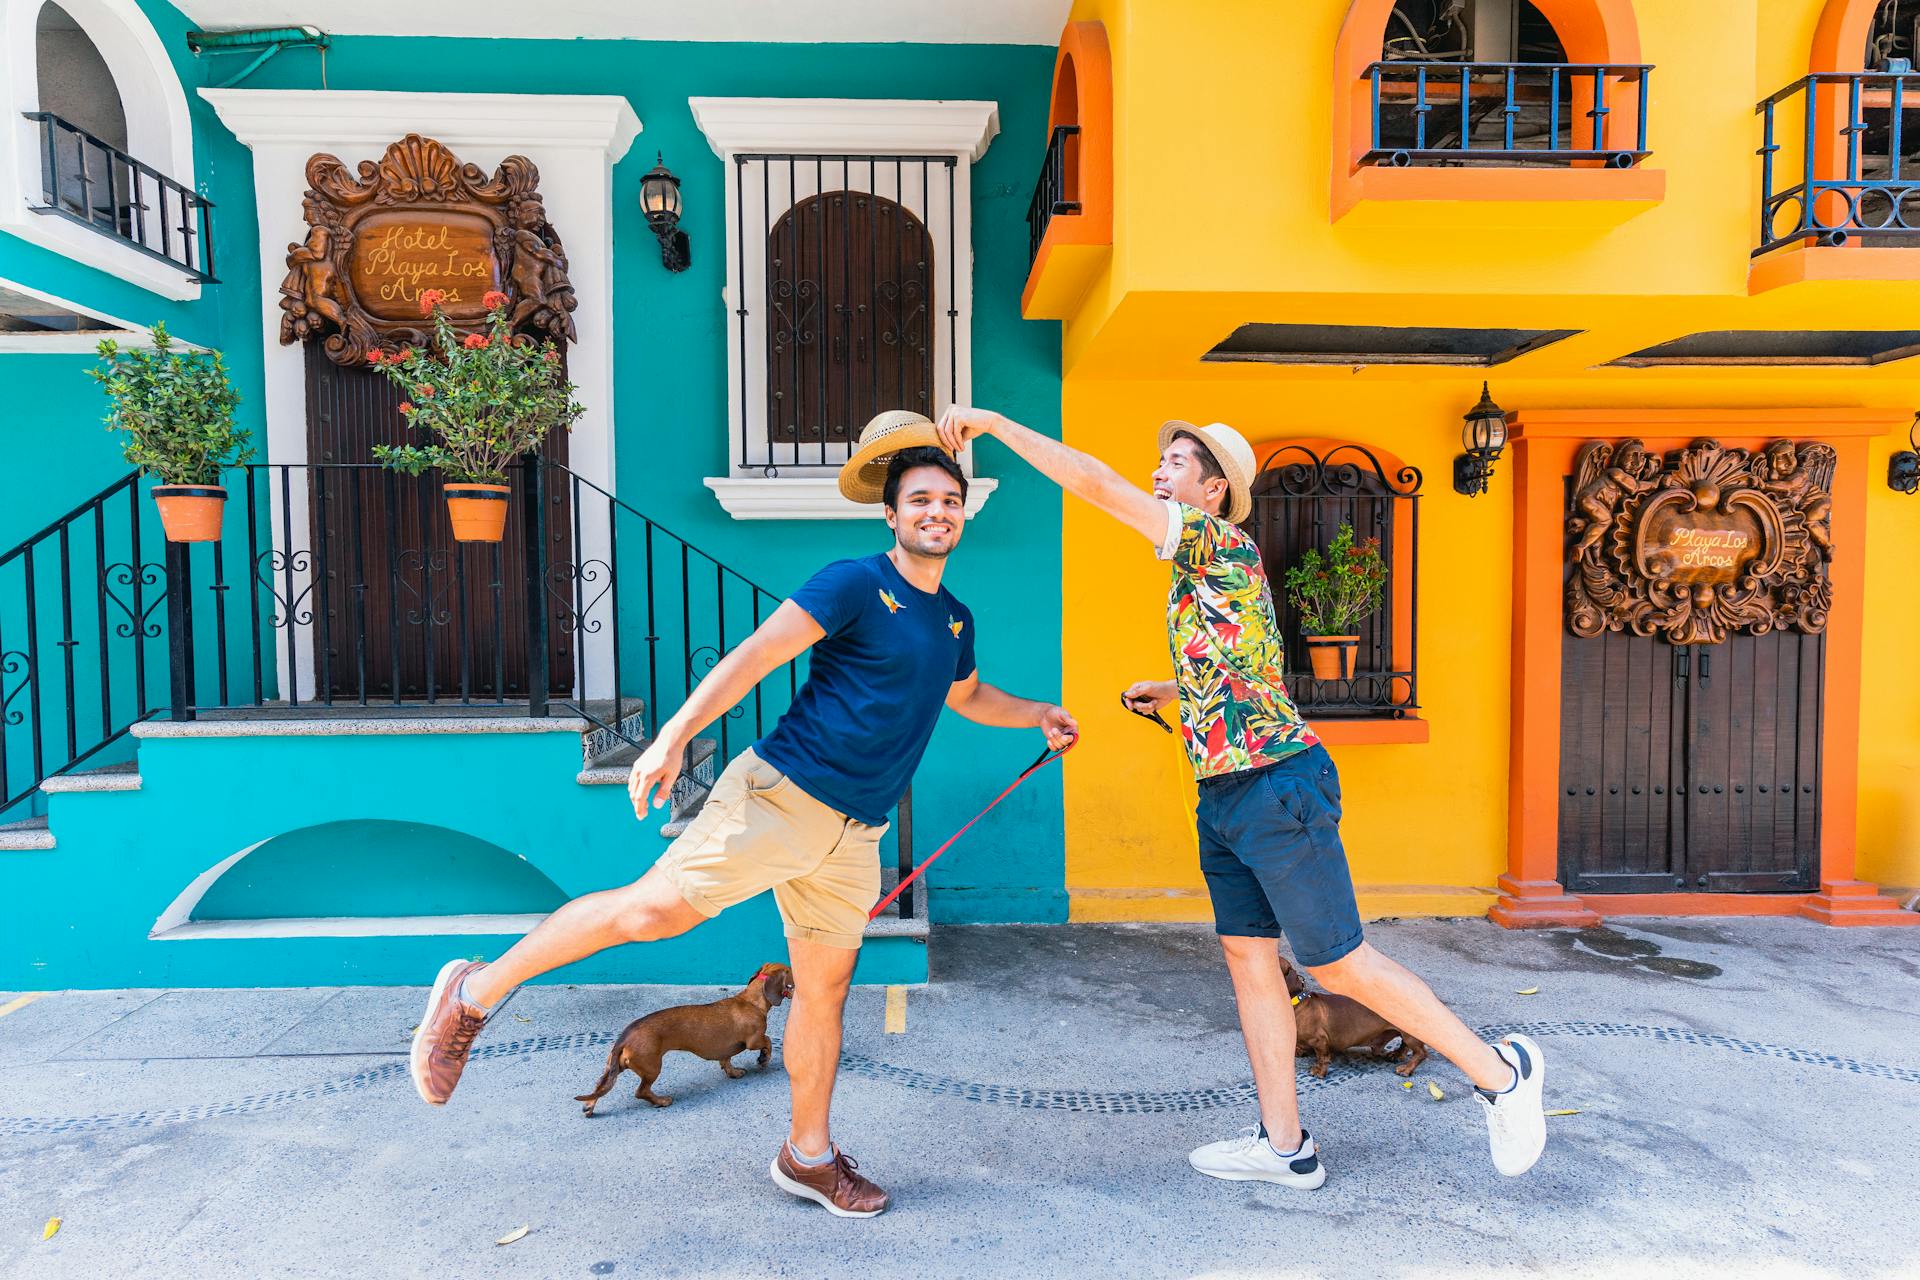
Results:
<point x="1505" y="113"/>
<point x="1051" y="194"/>
<point x="1856" y="178"/>
<point x="1300" y="501"/>
<point x="97" y="185"/>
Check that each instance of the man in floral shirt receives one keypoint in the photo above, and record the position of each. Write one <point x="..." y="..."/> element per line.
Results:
<point x="1269" y="811"/>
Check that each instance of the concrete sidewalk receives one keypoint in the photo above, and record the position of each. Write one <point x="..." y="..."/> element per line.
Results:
<point x="1747" y="1095"/>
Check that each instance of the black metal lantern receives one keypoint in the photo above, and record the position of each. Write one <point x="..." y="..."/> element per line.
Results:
<point x="1484" y="436"/>
<point x="1903" y="468"/>
<point x="660" y="201"/>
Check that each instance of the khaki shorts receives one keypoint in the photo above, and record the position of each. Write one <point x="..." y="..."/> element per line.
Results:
<point x="759" y="831"/>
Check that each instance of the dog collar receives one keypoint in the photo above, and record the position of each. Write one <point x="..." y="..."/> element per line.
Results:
<point x="1296" y="1000"/>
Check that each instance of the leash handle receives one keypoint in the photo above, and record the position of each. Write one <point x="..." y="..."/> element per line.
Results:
<point x="1046" y="757"/>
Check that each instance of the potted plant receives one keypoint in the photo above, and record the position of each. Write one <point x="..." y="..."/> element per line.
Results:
<point x="1332" y="593"/>
<point x="482" y="400"/>
<point x="176" y="410"/>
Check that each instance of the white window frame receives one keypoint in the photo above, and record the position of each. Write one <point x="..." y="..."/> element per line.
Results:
<point x="855" y="127"/>
<point x="159" y="133"/>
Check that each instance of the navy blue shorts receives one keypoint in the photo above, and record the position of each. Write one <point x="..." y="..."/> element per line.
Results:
<point x="1270" y="849"/>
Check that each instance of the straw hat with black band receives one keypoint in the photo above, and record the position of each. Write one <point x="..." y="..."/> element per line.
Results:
<point x="863" y="477"/>
<point x="1231" y="453"/>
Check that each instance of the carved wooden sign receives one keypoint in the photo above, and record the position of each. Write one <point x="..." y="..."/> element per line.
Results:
<point x="1700" y="543"/>
<point x="418" y="220"/>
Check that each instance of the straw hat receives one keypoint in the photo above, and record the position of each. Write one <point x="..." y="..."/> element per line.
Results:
<point x="863" y="477"/>
<point x="1234" y="456"/>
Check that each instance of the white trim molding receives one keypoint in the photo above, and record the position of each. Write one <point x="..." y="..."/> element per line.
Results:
<point x="848" y="133"/>
<point x="159" y="133"/>
<point x="573" y="139"/>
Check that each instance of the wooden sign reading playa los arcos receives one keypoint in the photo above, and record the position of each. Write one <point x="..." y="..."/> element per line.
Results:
<point x="1700" y="543"/>
<point x="417" y="220"/>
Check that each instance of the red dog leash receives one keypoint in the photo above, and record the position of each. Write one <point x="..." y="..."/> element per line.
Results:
<point x="1046" y="757"/>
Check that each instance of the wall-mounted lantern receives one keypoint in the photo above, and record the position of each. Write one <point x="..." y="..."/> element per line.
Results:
<point x="1903" y="468"/>
<point x="660" y="201"/>
<point x="1484" y="436"/>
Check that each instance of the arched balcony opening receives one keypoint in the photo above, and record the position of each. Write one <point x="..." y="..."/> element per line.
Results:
<point x="1070" y="218"/>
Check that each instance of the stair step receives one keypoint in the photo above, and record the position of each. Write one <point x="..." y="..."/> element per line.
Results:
<point x="24" y="836"/>
<point x="112" y="777"/>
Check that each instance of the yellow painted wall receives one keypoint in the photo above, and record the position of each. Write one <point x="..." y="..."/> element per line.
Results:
<point x="1222" y="115"/>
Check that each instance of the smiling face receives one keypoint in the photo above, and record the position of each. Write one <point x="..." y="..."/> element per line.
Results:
<point x="1182" y="476"/>
<point x="930" y="513"/>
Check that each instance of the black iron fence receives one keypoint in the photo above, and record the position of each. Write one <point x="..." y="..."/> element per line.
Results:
<point x="90" y="182"/>
<point x="844" y="288"/>
<point x="1055" y="191"/>
<point x="1505" y="113"/>
<point x="1853" y="153"/>
<point x="1301" y="500"/>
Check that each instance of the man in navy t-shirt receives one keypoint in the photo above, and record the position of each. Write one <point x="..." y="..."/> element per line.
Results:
<point x="802" y="811"/>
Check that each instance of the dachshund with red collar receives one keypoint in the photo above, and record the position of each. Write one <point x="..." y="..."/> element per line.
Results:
<point x="1329" y="1024"/>
<point x="716" y="1031"/>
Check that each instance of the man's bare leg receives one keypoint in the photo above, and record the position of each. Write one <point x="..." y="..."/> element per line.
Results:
<point x="1400" y="997"/>
<point x="1266" y="1022"/>
<point x="811" y="1051"/>
<point x="648" y="909"/>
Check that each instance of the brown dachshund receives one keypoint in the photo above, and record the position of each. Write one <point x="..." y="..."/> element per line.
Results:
<point x="717" y="1031"/>
<point x="1329" y="1024"/>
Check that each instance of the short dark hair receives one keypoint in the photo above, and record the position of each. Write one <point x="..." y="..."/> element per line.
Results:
<point x="1209" y="465"/>
<point x="921" y="456"/>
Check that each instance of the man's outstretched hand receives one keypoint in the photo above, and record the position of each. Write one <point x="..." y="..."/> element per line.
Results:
<point x="658" y="767"/>
<point x="960" y="424"/>
<point x="1059" y="726"/>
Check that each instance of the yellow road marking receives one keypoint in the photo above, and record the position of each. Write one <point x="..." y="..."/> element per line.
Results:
<point x="896" y="1011"/>
<point x="21" y="1002"/>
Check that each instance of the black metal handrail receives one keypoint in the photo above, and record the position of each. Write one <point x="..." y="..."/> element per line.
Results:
<point x="1855" y="123"/>
<point x="1430" y="112"/>
<point x="116" y="195"/>
<point x="77" y="637"/>
<point x="1301" y="498"/>
<point x="1051" y="193"/>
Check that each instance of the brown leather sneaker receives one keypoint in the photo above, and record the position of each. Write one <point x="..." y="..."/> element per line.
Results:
<point x="445" y="1035"/>
<point x="838" y="1184"/>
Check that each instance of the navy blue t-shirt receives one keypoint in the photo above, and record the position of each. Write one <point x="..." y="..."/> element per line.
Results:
<point x="875" y="686"/>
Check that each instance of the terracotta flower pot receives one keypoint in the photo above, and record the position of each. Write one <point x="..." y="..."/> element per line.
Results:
<point x="1332" y="656"/>
<point x="190" y="512"/>
<point x="478" y="511"/>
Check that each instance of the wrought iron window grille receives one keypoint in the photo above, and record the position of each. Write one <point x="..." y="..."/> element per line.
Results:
<point x="845" y="288"/>
<point x="1858" y="180"/>
<point x="96" y="185"/>
<point x="1503" y="113"/>
<point x="1300" y="500"/>
<point x="1054" y="193"/>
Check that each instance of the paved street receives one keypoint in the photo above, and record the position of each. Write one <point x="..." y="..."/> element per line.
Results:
<point x="1747" y="1094"/>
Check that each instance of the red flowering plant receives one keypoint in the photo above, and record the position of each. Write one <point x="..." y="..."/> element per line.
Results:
<point x="1333" y="591"/>
<point x="481" y="400"/>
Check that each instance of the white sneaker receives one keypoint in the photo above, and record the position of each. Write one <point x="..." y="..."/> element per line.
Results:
<point x="1516" y="1125"/>
<point x="1251" y="1158"/>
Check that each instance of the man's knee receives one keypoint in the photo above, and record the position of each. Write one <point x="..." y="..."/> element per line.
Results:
<point x="650" y="909"/>
<point x="1350" y="971"/>
<point x="1240" y="949"/>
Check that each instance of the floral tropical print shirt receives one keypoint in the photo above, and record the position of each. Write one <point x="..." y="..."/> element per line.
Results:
<point x="1227" y="657"/>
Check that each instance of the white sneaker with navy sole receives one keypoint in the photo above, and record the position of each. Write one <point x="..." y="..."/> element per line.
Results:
<point x="1516" y="1124"/>
<point x="1251" y="1158"/>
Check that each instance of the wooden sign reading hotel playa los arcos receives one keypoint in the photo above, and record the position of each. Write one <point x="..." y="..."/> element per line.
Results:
<point x="418" y="220"/>
<point x="1702" y="542"/>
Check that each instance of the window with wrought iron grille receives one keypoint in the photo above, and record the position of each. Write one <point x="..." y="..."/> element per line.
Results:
<point x="849" y="289"/>
<point x="1302" y="496"/>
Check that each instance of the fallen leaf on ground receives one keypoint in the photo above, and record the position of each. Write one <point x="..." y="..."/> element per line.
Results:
<point x="513" y="1235"/>
<point x="1437" y="1092"/>
<point x="518" y="1018"/>
<point x="1406" y="1084"/>
<point x="1528" y="991"/>
<point x="53" y="1225"/>
<point x="1564" y="1113"/>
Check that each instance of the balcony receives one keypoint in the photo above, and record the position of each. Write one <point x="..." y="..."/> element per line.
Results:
<point x="95" y="185"/>
<point x="1053" y="194"/>
<point x="1507" y="113"/>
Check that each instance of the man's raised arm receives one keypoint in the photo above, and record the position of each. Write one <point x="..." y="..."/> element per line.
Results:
<point x="1080" y="474"/>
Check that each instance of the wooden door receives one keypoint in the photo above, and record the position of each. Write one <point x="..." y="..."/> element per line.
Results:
<point x="404" y="613"/>
<point x="1690" y="767"/>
